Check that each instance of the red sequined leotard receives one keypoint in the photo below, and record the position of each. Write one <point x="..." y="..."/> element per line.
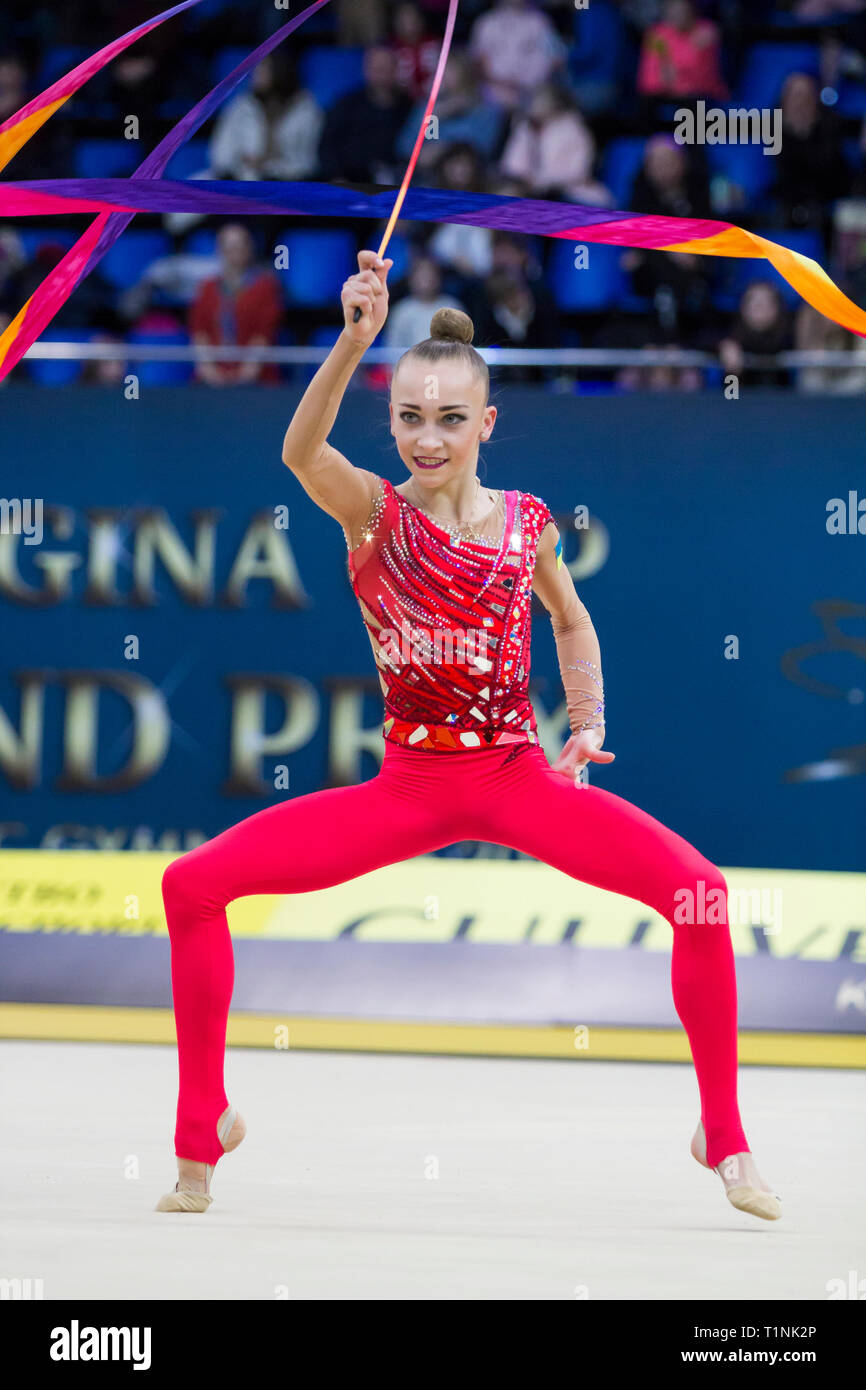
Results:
<point x="449" y="623"/>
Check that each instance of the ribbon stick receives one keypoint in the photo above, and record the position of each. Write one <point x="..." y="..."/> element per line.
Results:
<point x="117" y="201"/>
<point x="88" y="251"/>
<point x="413" y="159"/>
<point x="569" y="221"/>
<point x="17" y="129"/>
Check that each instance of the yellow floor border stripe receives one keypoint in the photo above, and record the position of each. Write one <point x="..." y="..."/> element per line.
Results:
<point x="80" y="1023"/>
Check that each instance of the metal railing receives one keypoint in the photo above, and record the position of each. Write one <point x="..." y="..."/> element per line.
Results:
<point x="596" y="358"/>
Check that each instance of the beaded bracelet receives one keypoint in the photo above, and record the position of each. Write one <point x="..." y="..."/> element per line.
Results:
<point x="587" y="667"/>
<point x="592" y="722"/>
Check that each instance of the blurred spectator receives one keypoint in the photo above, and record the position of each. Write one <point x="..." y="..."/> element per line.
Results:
<point x="516" y="48"/>
<point x="408" y="320"/>
<point x="360" y="22"/>
<point x="816" y="333"/>
<point x="137" y="82"/>
<point x="180" y="277"/>
<point x="361" y="128"/>
<point x="466" y="249"/>
<point x="599" y="57"/>
<point x="677" y="283"/>
<point x="679" y="287"/>
<point x="271" y="132"/>
<point x="13" y="258"/>
<point x="810" y="167"/>
<point x="242" y="305"/>
<point x="91" y="306"/>
<point x="762" y="326"/>
<point x="462" y="114"/>
<point x="661" y="376"/>
<point x="840" y="61"/>
<point x="514" y="251"/>
<point x="668" y="183"/>
<point x="102" y="372"/>
<point x="416" y="49"/>
<point x="553" y="150"/>
<point x="49" y="154"/>
<point x="502" y="127"/>
<point x="858" y="183"/>
<point x="849" y="247"/>
<point x="515" y="317"/>
<point x="517" y="255"/>
<point x="5" y="320"/>
<point x="681" y="55"/>
<point x="640" y="14"/>
<point x="826" y="9"/>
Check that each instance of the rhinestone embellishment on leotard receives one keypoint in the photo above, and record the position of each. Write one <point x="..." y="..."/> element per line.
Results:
<point x="413" y="578"/>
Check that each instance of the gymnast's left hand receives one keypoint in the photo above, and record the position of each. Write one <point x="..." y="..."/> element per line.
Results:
<point x="581" y="749"/>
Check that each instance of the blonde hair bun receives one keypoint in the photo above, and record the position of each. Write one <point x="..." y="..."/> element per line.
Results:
<point x="452" y="326"/>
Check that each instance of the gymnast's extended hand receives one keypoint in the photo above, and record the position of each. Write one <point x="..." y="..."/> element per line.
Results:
<point x="368" y="292"/>
<point x="581" y="749"/>
<point x="579" y="658"/>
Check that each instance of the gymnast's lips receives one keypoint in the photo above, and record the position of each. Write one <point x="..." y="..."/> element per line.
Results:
<point x="432" y="463"/>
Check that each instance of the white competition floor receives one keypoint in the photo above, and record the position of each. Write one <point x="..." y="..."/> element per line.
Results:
<point x="392" y="1177"/>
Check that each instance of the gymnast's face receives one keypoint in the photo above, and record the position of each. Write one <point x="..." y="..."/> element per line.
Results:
<point x="438" y="419"/>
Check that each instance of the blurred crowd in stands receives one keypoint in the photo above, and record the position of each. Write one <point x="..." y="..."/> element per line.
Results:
<point x="560" y="101"/>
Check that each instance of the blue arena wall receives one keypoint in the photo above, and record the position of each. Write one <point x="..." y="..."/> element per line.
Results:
<point x="707" y="521"/>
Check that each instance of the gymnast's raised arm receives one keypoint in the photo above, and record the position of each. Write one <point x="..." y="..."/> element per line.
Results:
<point x="336" y="485"/>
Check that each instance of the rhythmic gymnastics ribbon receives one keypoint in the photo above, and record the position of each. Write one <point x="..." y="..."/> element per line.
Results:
<point x="569" y="221"/>
<point x="59" y="284"/>
<point x="413" y="160"/>
<point x="117" y="201"/>
<point x="17" y="129"/>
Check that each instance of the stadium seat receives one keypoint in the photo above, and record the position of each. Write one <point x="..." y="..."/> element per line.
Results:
<point x="152" y="373"/>
<point x="766" y="67"/>
<point x="56" y="62"/>
<point x="126" y="261"/>
<point x="736" y="273"/>
<point x="328" y="72"/>
<point x="854" y="155"/>
<point x="599" y="48"/>
<point x="189" y="160"/>
<point x="398" y="251"/>
<point x="322" y="22"/>
<point x="318" y="264"/>
<point x="201" y="243"/>
<point x="745" y="165"/>
<point x="62" y="371"/>
<point x="600" y="285"/>
<point x="107" y="159"/>
<point x="324" y="337"/>
<point x="225" y="61"/>
<point x="620" y="166"/>
<point x="206" y="11"/>
<point x="852" y="99"/>
<point x="31" y="239"/>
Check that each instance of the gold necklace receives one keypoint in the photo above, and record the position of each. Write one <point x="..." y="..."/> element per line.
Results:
<point x="467" y="531"/>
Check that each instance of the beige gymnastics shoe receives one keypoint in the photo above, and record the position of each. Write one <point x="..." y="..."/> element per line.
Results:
<point x="745" y="1189"/>
<point x="192" y="1193"/>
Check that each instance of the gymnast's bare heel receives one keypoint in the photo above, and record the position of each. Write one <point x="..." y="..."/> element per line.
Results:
<point x="744" y="1187"/>
<point x="192" y="1190"/>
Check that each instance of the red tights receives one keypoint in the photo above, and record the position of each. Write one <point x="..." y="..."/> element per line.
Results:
<point x="420" y="801"/>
